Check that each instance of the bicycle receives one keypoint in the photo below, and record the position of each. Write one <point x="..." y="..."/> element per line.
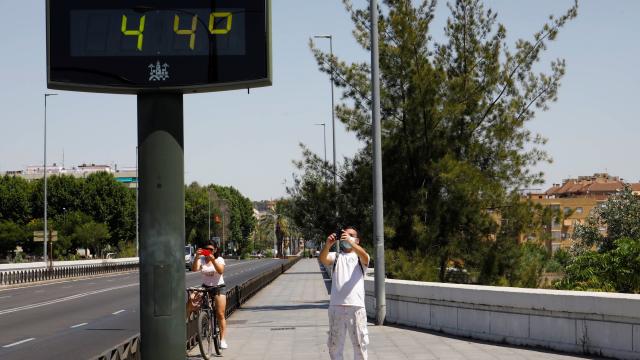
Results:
<point x="208" y="335"/>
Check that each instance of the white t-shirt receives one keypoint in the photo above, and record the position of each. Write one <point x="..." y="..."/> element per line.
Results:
<point x="347" y="285"/>
<point x="210" y="276"/>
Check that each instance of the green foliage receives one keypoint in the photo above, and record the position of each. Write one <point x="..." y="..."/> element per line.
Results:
<point x="11" y="234"/>
<point x="108" y="202"/>
<point x="225" y="202"/>
<point x="196" y="210"/>
<point x="14" y="199"/>
<point x="607" y="261"/>
<point x="455" y="140"/>
<point x="278" y="226"/>
<point x="97" y="211"/>
<point x="410" y="265"/>
<point x="93" y="236"/>
<point x="559" y="261"/>
<point x="126" y="249"/>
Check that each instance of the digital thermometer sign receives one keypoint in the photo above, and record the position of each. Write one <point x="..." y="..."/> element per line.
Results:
<point x="132" y="46"/>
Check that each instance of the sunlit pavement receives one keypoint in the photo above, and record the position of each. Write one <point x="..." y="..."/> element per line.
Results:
<point x="288" y="320"/>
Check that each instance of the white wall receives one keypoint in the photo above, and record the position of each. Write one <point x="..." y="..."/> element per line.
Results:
<point x="605" y="324"/>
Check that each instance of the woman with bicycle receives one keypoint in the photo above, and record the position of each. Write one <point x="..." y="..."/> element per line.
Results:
<point x="211" y="266"/>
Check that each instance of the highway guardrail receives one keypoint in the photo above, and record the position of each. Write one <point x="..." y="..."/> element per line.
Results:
<point x="17" y="277"/>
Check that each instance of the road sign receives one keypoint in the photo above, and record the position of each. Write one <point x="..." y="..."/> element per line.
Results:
<point x="39" y="236"/>
<point x="128" y="46"/>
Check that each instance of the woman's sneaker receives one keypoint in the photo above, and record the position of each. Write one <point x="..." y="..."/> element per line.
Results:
<point x="223" y="344"/>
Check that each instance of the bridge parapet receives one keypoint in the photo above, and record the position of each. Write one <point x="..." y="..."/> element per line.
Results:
<point x="606" y="324"/>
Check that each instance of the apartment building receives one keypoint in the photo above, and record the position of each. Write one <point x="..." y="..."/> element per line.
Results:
<point x="575" y="199"/>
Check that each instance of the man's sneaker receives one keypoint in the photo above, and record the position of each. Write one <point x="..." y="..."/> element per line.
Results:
<point x="223" y="344"/>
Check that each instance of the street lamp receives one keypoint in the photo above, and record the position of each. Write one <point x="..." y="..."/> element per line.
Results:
<point x="45" y="176"/>
<point x="378" y="218"/>
<point x="324" y="134"/>
<point x="333" y="112"/>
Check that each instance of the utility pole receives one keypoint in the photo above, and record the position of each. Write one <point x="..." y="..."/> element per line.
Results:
<point x="378" y="219"/>
<point x="46" y="232"/>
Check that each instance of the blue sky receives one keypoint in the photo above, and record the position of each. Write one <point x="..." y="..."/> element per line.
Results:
<point x="249" y="141"/>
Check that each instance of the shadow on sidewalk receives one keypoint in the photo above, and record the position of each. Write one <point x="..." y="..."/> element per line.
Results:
<point x="324" y="304"/>
<point x="301" y="273"/>
<point x="326" y="277"/>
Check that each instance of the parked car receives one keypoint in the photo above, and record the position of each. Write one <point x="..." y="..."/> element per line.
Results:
<point x="189" y="256"/>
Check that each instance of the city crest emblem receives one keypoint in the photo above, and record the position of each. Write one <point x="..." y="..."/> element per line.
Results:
<point x="158" y="72"/>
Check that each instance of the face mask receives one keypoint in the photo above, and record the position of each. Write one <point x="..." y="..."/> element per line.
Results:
<point x="345" y="245"/>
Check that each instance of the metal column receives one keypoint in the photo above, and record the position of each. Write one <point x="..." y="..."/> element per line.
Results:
<point x="378" y="217"/>
<point x="161" y="202"/>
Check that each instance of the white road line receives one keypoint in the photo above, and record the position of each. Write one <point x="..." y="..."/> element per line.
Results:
<point x="4" y="297"/>
<point x="19" y="342"/>
<point x="78" y="325"/>
<point x="67" y="298"/>
<point x="117" y="312"/>
<point x="64" y="281"/>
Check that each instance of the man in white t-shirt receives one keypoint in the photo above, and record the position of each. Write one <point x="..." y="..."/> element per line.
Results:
<point x="347" y="313"/>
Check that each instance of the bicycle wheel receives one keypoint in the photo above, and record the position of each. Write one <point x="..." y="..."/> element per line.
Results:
<point x="205" y="336"/>
<point x="216" y="335"/>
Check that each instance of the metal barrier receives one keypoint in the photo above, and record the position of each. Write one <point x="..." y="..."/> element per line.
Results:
<point x="236" y="296"/>
<point x="16" y="277"/>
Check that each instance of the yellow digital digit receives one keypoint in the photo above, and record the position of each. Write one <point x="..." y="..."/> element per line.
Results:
<point x="220" y="15"/>
<point x="138" y="33"/>
<point x="191" y="33"/>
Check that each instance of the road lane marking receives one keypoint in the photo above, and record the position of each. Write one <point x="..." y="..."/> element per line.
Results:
<point x="78" y="325"/>
<point x="117" y="312"/>
<point x="4" y="297"/>
<point x="67" y="298"/>
<point x="80" y="279"/>
<point x="19" y="342"/>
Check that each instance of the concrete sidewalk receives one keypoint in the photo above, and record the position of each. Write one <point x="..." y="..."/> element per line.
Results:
<point x="288" y="320"/>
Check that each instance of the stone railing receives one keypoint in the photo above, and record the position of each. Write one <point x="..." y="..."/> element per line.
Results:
<point x="605" y="324"/>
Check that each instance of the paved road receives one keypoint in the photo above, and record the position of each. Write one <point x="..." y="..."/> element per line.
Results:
<point x="81" y="319"/>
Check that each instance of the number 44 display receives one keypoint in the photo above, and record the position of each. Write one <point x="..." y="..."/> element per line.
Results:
<point x="176" y="27"/>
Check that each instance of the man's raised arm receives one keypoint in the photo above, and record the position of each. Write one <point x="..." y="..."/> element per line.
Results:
<point x="324" y="254"/>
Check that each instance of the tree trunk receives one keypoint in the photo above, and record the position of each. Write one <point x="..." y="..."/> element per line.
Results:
<point x="443" y="267"/>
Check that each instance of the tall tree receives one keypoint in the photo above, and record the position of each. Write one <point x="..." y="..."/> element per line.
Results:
<point x="107" y="201"/>
<point x="454" y="115"/>
<point x="15" y="199"/>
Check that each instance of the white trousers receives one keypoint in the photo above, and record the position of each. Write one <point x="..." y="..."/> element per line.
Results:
<point x="352" y="320"/>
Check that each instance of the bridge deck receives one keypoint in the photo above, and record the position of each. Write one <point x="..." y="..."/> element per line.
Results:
<point x="288" y="320"/>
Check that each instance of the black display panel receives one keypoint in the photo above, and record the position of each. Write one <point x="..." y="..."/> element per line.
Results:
<point x="131" y="46"/>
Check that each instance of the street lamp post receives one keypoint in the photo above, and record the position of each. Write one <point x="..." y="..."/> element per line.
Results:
<point x="209" y="217"/>
<point x="45" y="178"/>
<point x="324" y="136"/>
<point x="333" y="111"/>
<point x="378" y="219"/>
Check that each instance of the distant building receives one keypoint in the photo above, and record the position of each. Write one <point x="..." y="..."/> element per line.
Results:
<point x="575" y="199"/>
<point x="127" y="176"/>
